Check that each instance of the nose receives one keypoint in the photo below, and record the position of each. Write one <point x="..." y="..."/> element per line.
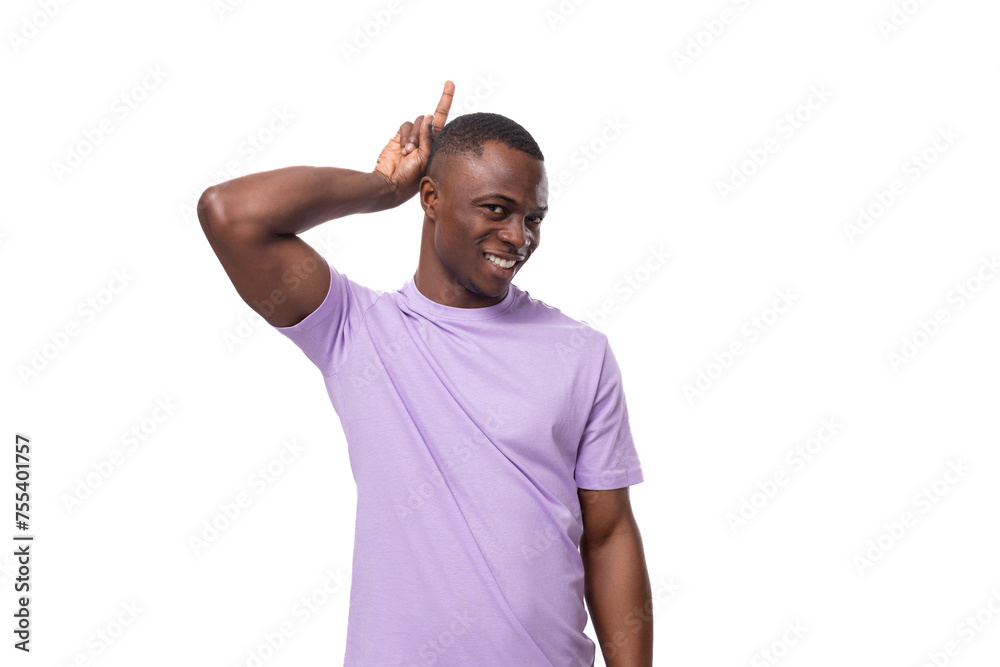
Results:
<point x="516" y="233"/>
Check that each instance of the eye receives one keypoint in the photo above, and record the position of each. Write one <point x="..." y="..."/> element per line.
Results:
<point x="537" y="219"/>
<point x="492" y="206"/>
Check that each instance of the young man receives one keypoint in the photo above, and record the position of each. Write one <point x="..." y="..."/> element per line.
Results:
<point x="487" y="431"/>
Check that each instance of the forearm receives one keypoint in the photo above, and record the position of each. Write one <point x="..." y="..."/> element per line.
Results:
<point x="618" y="594"/>
<point x="292" y="200"/>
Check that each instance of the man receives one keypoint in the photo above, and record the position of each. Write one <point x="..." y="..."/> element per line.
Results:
<point x="487" y="431"/>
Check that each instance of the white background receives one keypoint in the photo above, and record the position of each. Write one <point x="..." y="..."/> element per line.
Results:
<point x="662" y="135"/>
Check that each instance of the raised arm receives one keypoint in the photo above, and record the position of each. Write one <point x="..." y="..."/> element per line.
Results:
<point x="252" y="222"/>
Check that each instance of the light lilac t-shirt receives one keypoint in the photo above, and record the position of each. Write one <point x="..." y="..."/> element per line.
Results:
<point x="469" y="431"/>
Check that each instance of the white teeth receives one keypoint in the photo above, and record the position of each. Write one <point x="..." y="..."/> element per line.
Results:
<point x="502" y="263"/>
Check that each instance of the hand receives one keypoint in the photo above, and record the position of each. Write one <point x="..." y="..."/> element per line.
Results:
<point x="403" y="161"/>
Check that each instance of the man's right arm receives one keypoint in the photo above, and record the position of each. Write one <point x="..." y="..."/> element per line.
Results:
<point x="252" y="222"/>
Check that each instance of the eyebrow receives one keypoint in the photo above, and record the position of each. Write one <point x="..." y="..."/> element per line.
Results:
<point x="497" y="195"/>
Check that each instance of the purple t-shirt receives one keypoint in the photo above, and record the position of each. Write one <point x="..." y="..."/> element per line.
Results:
<point x="469" y="431"/>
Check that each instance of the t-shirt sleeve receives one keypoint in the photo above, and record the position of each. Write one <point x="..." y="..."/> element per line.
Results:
<point x="606" y="458"/>
<point x="327" y="334"/>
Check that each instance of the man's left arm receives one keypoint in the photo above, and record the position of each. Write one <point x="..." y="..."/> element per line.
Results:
<point x="616" y="583"/>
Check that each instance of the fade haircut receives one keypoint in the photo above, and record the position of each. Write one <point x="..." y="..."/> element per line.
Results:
<point x="466" y="134"/>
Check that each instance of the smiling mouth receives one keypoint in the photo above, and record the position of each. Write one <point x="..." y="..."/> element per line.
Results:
<point x="500" y="261"/>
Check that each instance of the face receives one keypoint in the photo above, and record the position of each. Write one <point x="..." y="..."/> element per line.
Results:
<point x="474" y="206"/>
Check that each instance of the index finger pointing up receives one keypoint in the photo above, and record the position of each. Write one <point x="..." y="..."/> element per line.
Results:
<point x="443" y="107"/>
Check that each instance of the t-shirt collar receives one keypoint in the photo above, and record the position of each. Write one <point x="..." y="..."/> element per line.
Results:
<point x="421" y="304"/>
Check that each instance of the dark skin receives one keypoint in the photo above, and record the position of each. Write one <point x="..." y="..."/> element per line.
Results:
<point x="472" y="204"/>
<point x="616" y="583"/>
<point x="475" y="205"/>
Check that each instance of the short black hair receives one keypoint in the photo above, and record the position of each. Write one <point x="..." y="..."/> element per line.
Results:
<point x="467" y="133"/>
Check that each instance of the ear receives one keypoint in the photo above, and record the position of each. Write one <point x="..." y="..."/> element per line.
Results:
<point x="428" y="196"/>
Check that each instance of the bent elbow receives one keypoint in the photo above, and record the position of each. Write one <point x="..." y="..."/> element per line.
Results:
<point x="210" y="208"/>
